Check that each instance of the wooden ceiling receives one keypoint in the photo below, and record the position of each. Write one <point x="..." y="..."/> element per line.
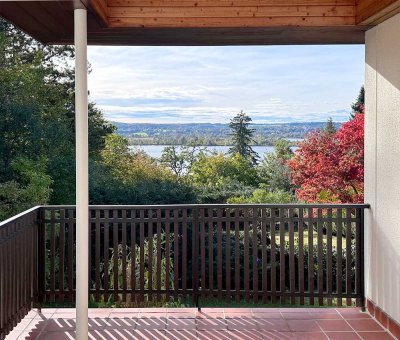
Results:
<point x="202" y="22"/>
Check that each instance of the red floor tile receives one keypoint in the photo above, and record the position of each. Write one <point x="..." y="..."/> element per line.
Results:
<point x="367" y="325"/>
<point x="296" y="316"/>
<point x="326" y="316"/>
<point x="29" y="335"/>
<point x="334" y="326"/>
<point x="151" y="324"/>
<point x="375" y="336"/>
<point x="267" y="315"/>
<point x="181" y="335"/>
<point x="210" y="315"/>
<point x="59" y="335"/>
<point x="303" y="326"/>
<point x="213" y="335"/>
<point x="181" y="324"/>
<point x="310" y="336"/>
<point x="278" y="335"/>
<point x="241" y="324"/>
<point x="273" y="325"/>
<point x="145" y="335"/>
<point x="245" y="335"/>
<point x="342" y="335"/>
<point x="235" y="315"/>
<point x="211" y="324"/>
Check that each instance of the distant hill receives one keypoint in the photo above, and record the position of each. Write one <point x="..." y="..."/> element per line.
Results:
<point x="211" y="134"/>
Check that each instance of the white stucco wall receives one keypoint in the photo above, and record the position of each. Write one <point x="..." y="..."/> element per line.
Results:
<point x="382" y="166"/>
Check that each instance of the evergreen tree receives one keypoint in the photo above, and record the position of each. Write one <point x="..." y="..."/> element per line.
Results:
<point x="358" y="106"/>
<point x="330" y="127"/>
<point x="242" y="137"/>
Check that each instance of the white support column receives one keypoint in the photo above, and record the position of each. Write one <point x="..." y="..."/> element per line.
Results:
<point x="82" y="175"/>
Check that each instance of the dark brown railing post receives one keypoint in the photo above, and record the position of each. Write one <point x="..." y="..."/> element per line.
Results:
<point x="41" y="246"/>
<point x="360" y="262"/>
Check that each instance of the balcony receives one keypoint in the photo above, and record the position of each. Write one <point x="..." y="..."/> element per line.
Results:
<point x="261" y="258"/>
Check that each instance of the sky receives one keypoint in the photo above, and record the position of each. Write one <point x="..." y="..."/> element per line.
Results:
<point x="272" y="84"/>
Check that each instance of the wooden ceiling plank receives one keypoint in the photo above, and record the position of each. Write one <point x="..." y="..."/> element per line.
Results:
<point x="223" y="12"/>
<point x="225" y="3"/>
<point x="101" y="10"/>
<point x="231" y="22"/>
<point x="369" y="11"/>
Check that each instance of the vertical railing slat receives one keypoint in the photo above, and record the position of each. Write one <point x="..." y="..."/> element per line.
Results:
<point x="116" y="254"/>
<point x="210" y="224"/>
<point x="311" y="255"/>
<point x="255" y="254"/>
<point x="176" y="254"/>
<point x="339" y="257"/>
<point x="150" y="232"/>
<point x="292" y="269"/>
<point x="329" y="272"/>
<point x="184" y="252"/>
<point x="348" y="257"/>
<point x="273" y="256"/>
<point x="61" y="257"/>
<point x="359" y="284"/>
<point x="228" y="257"/>
<point x="106" y="253"/>
<point x="320" y="258"/>
<point x="237" y="255"/>
<point x="219" y="252"/>
<point x="97" y="255"/>
<point x="264" y="255"/>
<point x="142" y="255"/>
<point x="52" y="256"/>
<point x="246" y="264"/>
<point x="301" y="263"/>
<point x="70" y="260"/>
<point x="124" y="257"/>
<point x="167" y="253"/>
<point x="203" y="254"/>
<point x="159" y="266"/>
<point x="133" y="256"/>
<point x="282" y="270"/>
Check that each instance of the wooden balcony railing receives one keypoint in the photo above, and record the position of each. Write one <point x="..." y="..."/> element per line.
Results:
<point x="18" y="268"/>
<point x="143" y="255"/>
<point x="276" y="254"/>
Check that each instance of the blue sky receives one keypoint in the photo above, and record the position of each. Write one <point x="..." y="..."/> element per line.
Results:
<point x="211" y="84"/>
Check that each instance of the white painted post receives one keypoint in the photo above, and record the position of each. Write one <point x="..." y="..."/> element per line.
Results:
<point x="82" y="175"/>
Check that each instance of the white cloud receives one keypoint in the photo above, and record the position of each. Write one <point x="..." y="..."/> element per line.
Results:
<point x="211" y="84"/>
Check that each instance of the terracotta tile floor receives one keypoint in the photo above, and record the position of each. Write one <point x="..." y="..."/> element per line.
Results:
<point x="210" y="323"/>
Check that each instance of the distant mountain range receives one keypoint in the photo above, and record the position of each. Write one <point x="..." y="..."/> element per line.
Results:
<point x="211" y="134"/>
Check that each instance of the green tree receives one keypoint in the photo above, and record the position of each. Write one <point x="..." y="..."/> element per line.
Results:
<point x="260" y="196"/>
<point x="37" y="114"/>
<point x="125" y="177"/>
<point x="274" y="173"/>
<point x="30" y="187"/>
<point x="217" y="177"/>
<point x="242" y="137"/>
<point x="330" y="127"/>
<point x="358" y="106"/>
<point x="181" y="159"/>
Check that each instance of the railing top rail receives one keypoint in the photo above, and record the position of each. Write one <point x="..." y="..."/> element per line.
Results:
<point x="175" y="206"/>
<point x="16" y="217"/>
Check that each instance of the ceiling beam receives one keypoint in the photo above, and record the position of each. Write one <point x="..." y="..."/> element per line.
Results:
<point x="373" y="12"/>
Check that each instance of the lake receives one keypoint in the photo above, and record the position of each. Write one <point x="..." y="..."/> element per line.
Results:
<point x="155" y="151"/>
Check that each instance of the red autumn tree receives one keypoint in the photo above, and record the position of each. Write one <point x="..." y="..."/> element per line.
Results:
<point x="330" y="167"/>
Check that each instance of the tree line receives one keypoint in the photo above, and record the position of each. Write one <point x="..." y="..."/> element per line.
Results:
<point x="37" y="149"/>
